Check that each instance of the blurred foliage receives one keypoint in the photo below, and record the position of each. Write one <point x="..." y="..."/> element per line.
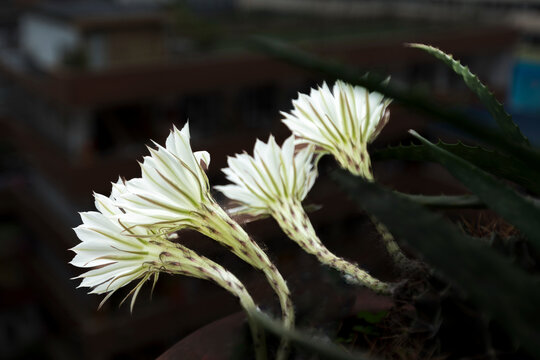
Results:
<point x="365" y="323"/>
<point x="500" y="197"/>
<point x="464" y="261"/>
<point x="446" y="201"/>
<point x="491" y="161"/>
<point x="495" y="271"/>
<point x="333" y="70"/>
<point x="322" y="347"/>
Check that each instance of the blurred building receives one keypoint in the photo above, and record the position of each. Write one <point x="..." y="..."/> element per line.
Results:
<point x="92" y="35"/>
<point x="85" y="84"/>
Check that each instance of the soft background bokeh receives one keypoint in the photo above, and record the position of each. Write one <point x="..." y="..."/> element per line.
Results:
<point x="85" y="85"/>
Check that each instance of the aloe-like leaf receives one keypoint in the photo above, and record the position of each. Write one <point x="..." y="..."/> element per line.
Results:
<point x="501" y="290"/>
<point x="373" y="82"/>
<point x="325" y="349"/>
<point x="519" y="211"/>
<point x="495" y="108"/>
<point x="490" y="161"/>
<point x="445" y="201"/>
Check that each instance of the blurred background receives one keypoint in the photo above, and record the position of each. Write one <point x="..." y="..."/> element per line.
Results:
<point x="85" y="85"/>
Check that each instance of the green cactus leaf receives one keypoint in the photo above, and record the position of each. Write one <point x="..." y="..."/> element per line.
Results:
<point x="332" y="69"/>
<point x="500" y="289"/>
<point x="495" y="108"/>
<point x="372" y="317"/>
<point x="490" y="161"/>
<point x="516" y="209"/>
<point x="326" y="350"/>
<point x="445" y="201"/>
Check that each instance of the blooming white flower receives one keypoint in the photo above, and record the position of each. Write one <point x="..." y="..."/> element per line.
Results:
<point x="341" y="121"/>
<point x="172" y="188"/>
<point x="271" y="176"/>
<point x="173" y="193"/>
<point x="275" y="181"/>
<point x="117" y="255"/>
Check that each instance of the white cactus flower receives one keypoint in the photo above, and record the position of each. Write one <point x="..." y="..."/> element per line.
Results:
<point x="118" y="255"/>
<point x="341" y="121"/>
<point x="275" y="181"/>
<point x="271" y="176"/>
<point x="173" y="193"/>
<point x="172" y="188"/>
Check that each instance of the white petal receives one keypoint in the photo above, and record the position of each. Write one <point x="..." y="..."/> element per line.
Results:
<point x="337" y="120"/>
<point x="272" y="174"/>
<point x="203" y="158"/>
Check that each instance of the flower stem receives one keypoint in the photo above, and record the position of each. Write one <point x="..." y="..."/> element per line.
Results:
<point x="390" y="243"/>
<point x="293" y="220"/>
<point x="205" y="268"/>
<point x="236" y="288"/>
<point x="287" y="310"/>
<point x="226" y="231"/>
<point x="392" y="247"/>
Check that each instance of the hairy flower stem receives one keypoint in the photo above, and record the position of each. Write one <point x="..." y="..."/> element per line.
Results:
<point x="209" y="270"/>
<point x="220" y="227"/>
<point x="292" y="218"/>
<point x="393" y="249"/>
<point x="355" y="158"/>
<point x="389" y="242"/>
<point x="287" y="310"/>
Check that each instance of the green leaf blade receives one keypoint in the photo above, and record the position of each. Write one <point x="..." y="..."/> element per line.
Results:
<point x="504" y="200"/>
<point x="491" y="161"/>
<point x="372" y="82"/>
<point x="326" y="350"/>
<point x="503" y="291"/>
<point x="445" y="201"/>
<point x="495" y="108"/>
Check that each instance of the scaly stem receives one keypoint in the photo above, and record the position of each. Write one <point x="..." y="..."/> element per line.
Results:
<point x="287" y="310"/>
<point x="205" y="268"/>
<point x="392" y="247"/>
<point x="220" y="227"/>
<point x="292" y="218"/>
<point x="389" y="242"/>
<point x="357" y="161"/>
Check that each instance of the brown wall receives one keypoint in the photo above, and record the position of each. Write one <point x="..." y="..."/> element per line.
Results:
<point x="135" y="47"/>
